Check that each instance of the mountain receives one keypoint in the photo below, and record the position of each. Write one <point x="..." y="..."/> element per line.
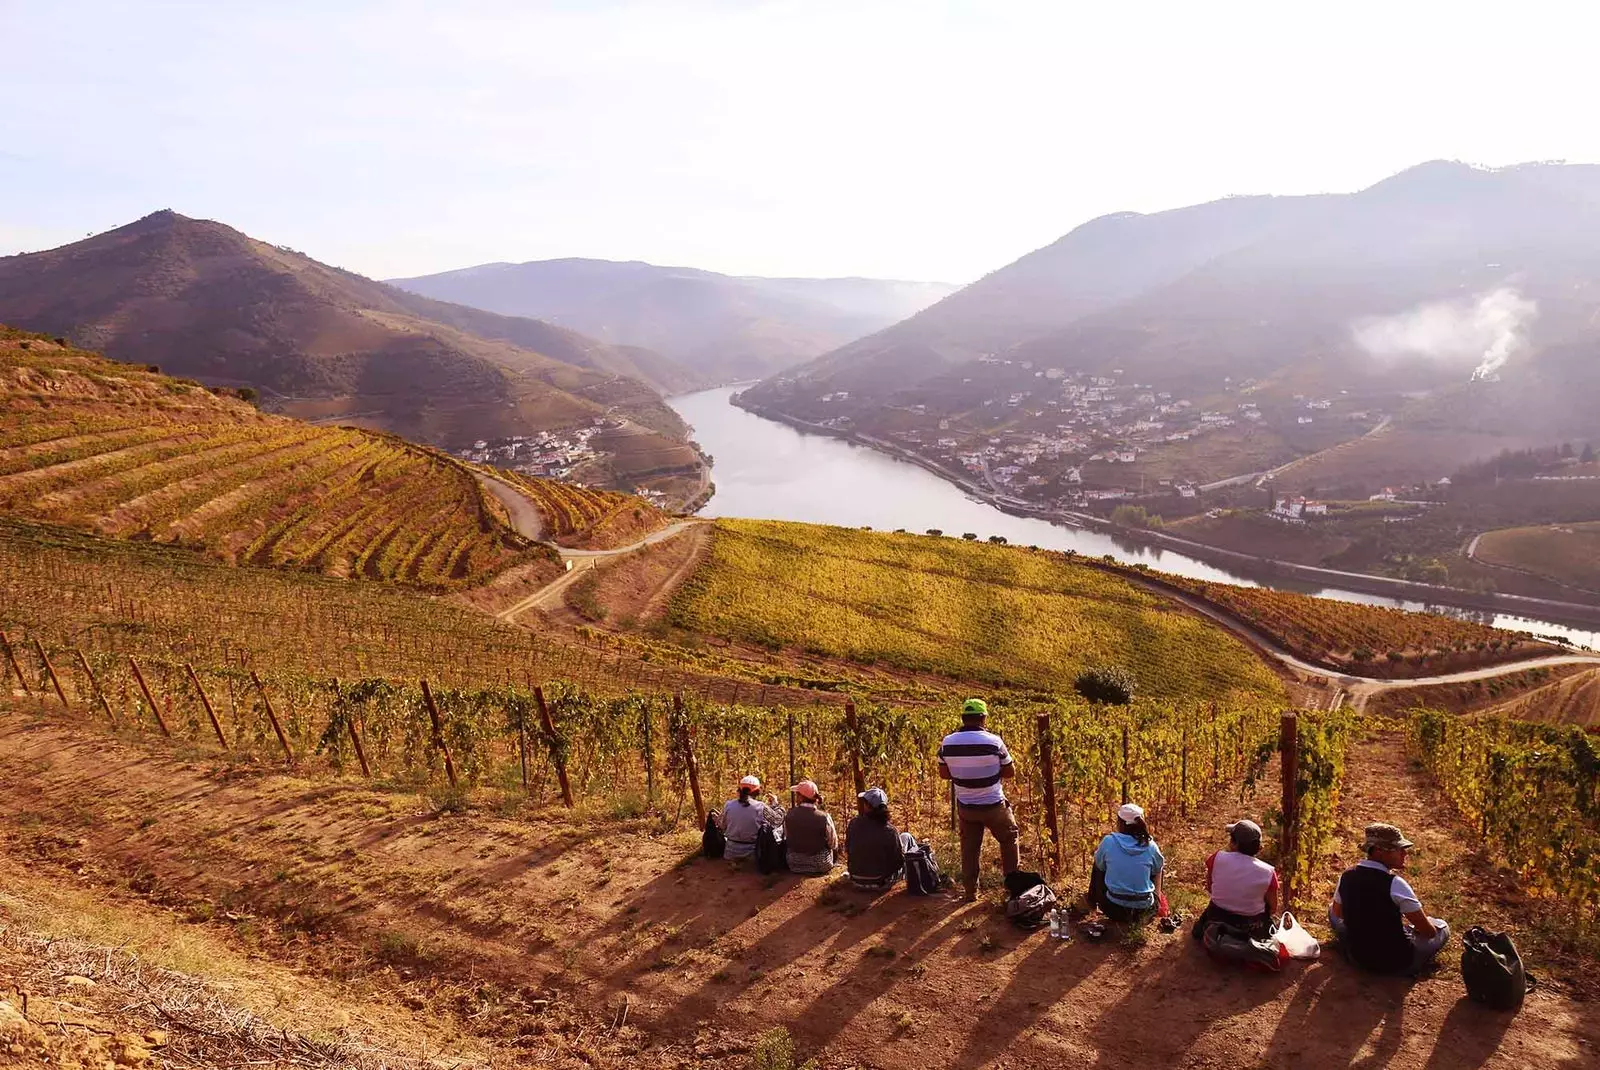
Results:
<point x="1389" y="297"/>
<point x="200" y="299"/>
<point x="724" y="327"/>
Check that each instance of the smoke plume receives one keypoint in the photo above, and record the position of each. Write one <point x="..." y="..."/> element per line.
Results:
<point x="1482" y="333"/>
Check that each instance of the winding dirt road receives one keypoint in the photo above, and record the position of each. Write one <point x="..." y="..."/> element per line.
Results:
<point x="1360" y="687"/>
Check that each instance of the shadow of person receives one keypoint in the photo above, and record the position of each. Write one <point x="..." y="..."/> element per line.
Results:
<point x="1044" y="977"/>
<point x="914" y="931"/>
<point x="1167" y="1004"/>
<point x="1469" y="1036"/>
<point x="1332" y="1019"/>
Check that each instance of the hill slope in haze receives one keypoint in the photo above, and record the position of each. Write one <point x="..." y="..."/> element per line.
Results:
<point x="726" y="328"/>
<point x="201" y="299"/>
<point x="1385" y="301"/>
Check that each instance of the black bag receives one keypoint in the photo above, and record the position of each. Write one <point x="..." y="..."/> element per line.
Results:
<point x="922" y="871"/>
<point x="1493" y="970"/>
<point x="712" y="842"/>
<point x="771" y="854"/>
<point x="1230" y="943"/>
<point x="1029" y="900"/>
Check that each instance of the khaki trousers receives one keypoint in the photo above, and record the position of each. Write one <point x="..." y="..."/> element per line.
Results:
<point x="1002" y="824"/>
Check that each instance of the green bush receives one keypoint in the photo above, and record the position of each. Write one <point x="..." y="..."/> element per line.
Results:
<point x="1110" y="685"/>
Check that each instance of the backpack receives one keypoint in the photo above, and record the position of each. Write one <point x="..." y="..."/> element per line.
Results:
<point x="1493" y="970"/>
<point x="922" y="871"/>
<point x="1029" y="899"/>
<point x="771" y="855"/>
<point x="712" y="842"/>
<point x="1231" y="944"/>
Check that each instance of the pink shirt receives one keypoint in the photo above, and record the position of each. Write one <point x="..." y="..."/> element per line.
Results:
<point x="1240" y="882"/>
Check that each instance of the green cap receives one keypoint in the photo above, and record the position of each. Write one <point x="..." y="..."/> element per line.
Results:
<point x="974" y="707"/>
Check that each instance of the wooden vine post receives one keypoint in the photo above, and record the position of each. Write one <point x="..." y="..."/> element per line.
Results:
<point x="205" y="700"/>
<point x="1183" y="775"/>
<point x="1289" y="751"/>
<point x="50" y="670"/>
<point x="789" y="725"/>
<point x="438" y="734"/>
<point x="144" y="688"/>
<point x="355" y="736"/>
<point x="649" y="759"/>
<point x="853" y="735"/>
<point x="16" y="666"/>
<point x="1047" y="767"/>
<point x="272" y="715"/>
<point x="94" y="685"/>
<point x="690" y="766"/>
<point x="1125" y="785"/>
<point x="556" y="757"/>
<point x="522" y="746"/>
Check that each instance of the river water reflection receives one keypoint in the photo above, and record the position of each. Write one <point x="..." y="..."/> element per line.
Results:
<point x="770" y="471"/>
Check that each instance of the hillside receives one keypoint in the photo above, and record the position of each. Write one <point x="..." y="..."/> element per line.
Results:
<point x="1434" y="318"/>
<point x="200" y="299"/>
<point x="116" y="449"/>
<point x="724" y="327"/>
<point x="996" y="615"/>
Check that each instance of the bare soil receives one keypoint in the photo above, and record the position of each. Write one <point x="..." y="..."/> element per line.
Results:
<point x="565" y="924"/>
<point x="635" y="590"/>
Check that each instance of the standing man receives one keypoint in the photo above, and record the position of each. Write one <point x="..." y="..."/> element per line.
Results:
<point x="1376" y="915"/>
<point x="976" y="760"/>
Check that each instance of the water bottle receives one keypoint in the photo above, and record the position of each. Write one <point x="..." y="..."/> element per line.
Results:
<point x="1055" y="925"/>
<point x="1063" y="925"/>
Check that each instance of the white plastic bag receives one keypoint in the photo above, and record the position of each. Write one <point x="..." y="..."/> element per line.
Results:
<point x="1293" y="938"/>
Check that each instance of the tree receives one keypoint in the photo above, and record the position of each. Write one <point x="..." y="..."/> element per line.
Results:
<point x="1587" y="457"/>
<point x="1107" y="684"/>
<point x="970" y="536"/>
<point x="998" y="540"/>
<point x="248" y="393"/>
<point x="935" y="532"/>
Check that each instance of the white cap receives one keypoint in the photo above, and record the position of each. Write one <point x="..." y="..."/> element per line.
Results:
<point x="752" y="782"/>
<point x="1130" y="813"/>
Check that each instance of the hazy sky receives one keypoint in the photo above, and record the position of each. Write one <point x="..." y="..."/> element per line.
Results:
<point x="916" y="140"/>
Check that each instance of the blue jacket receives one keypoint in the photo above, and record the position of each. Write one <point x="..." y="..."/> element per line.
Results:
<point x="1130" y="868"/>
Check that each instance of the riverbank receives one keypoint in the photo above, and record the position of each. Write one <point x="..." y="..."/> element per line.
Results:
<point x="1254" y="568"/>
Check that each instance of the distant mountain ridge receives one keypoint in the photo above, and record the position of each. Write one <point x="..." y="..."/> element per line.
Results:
<point x="201" y="299"/>
<point x="1271" y="288"/>
<point x="724" y="327"/>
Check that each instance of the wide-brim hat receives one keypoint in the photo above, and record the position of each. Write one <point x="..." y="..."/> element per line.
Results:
<point x="1385" y="837"/>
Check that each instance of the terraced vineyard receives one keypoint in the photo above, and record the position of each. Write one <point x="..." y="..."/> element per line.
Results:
<point x="126" y="452"/>
<point x="1004" y="616"/>
<point x="1371" y="640"/>
<point x="583" y="516"/>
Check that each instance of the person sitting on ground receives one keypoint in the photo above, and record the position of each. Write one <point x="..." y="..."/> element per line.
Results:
<point x="1244" y="889"/>
<point x="876" y="849"/>
<point x="1125" y="883"/>
<point x="1376" y="916"/>
<point x="808" y="832"/>
<point x="975" y="760"/>
<point x="743" y="817"/>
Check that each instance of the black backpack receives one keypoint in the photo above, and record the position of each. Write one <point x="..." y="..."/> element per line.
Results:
<point x="712" y="842"/>
<point x="1029" y="900"/>
<point x="922" y="871"/>
<point x="771" y="854"/>
<point x="1493" y="970"/>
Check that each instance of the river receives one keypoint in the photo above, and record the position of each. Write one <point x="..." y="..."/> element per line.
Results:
<point x="766" y="470"/>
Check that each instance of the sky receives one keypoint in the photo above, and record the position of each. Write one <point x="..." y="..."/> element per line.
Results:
<point x="916" y="140"/>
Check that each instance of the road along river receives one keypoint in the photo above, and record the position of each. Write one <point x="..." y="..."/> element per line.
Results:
<point x="770" y="471"/>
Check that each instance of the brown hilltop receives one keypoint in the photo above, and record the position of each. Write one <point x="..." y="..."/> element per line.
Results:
<point x="199" y="298"/>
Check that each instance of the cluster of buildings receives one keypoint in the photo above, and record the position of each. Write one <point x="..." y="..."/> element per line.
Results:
<point x="552" y="454"/>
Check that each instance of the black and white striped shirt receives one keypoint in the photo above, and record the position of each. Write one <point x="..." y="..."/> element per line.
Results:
<point x="975" y="758"/>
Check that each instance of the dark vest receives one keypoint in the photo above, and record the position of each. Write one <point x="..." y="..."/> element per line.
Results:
<point x="805" y="830"/>
<point x="874" y="848"/>
<point x="1377" y="934"/>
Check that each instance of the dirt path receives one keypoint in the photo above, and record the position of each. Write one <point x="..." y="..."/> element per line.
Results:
<point x="525" y="518"/>
<point x="584" y="915"/>
<point x="581" y="562"/>
<point x="1360" y="687"/>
